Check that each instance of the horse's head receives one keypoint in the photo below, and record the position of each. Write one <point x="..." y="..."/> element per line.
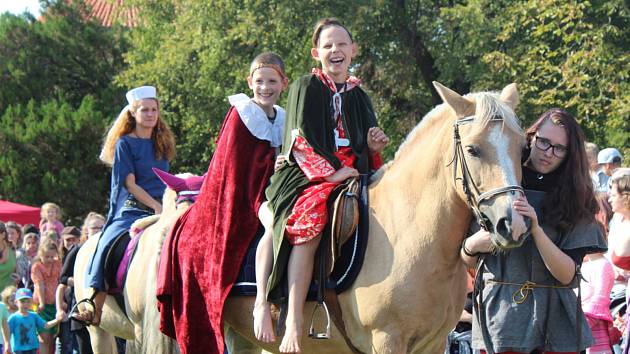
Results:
<point x="182" y="189"/>
<point x="486" y="160"/>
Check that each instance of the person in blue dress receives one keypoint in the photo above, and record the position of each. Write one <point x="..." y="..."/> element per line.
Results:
<point x="137" y="141"/>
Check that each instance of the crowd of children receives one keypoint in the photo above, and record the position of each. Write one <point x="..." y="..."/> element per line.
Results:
<point x="31" y="259"/>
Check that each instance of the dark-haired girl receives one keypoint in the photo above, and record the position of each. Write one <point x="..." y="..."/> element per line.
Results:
<point x="528" y="303"/>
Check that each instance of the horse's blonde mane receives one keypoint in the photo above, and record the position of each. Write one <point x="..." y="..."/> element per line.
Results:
<point x="487" y="106"/>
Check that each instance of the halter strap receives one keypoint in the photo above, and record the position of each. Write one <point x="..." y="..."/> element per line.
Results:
<point x="468" y="183"/>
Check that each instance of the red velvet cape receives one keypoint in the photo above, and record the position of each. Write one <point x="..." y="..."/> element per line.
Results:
<point x="201" y="257"/>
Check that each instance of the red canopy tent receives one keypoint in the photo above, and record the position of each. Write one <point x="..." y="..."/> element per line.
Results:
<point x="21" y="214"/>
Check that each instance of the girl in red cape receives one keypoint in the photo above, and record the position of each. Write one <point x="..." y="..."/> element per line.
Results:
<point x="201" y="257"/>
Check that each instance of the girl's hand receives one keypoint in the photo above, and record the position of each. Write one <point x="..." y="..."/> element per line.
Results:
<point x="376" y="139"/>
<point x="157" y="209"/>
<point x="279" y="161"/>
<point x="40" y="307"/>
<point x="342" y="174"/>
<point x="479" y="242"/>
<point x="521" y="205"/>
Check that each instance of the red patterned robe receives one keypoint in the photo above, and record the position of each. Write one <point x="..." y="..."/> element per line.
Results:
<point x="310" y="213"/>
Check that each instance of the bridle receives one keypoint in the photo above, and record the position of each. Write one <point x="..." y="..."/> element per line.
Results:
<point x="187" y="196"/>
<point x="474" y="197"/>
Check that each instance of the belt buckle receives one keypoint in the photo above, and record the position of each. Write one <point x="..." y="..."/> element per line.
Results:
<point x="131" y="203"/>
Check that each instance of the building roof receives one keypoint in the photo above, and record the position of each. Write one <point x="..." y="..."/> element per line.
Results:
<point x="109" y="11"/>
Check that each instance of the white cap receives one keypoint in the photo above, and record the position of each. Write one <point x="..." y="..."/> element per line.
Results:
<point x="609" y="155"/>
<point x="140" y="93"/>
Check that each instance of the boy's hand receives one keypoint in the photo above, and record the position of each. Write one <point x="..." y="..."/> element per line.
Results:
<point x="279" y="160"/>
<point x="376" y="139"/>
<point x="342" y="174"/>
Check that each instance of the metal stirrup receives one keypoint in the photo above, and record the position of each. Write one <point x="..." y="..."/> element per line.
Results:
<point x="311" y="330"/>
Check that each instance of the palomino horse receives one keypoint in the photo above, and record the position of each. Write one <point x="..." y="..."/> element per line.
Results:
<point x="140" y="327"/>
<point x="410" y="291"/>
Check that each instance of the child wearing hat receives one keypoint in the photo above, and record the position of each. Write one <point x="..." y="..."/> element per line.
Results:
<point x="609" y="159"/>
<point x="24" y="325"/>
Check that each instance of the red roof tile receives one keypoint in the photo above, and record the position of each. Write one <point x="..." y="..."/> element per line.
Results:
<point x="108" y="11"/>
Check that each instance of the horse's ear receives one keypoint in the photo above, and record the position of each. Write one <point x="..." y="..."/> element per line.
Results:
<point x="459" y="104"/>
<point x="173" y="182"/>
<point x="509" y="95"/>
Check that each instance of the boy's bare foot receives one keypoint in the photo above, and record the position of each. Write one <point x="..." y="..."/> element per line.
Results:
<point x="263" y="327"/>
<point x="291" y="340"/>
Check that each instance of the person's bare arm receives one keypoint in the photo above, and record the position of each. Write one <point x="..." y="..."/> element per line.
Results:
<point x="559" y="264"/>
<point x="62" y="307"/>
<point x="142" y="195"/>
<point x="40" y="288"/>
<point x="6" y="335"/>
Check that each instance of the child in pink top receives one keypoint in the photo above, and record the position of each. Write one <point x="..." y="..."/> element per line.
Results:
<point x="50" y="214"/>
<point x="45" y="275"/>
<point x="599" y="278"/>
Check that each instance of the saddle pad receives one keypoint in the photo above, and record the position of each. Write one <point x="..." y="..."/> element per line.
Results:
<point x="118" y="260"/>
<point x="114" y="256"/>
<point x="344" y="273"/>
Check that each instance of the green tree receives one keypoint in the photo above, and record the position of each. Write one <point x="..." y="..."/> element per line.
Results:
<point x="49" y="152"/>
<point x="56" y="99"/>
<point x="63" y="55"/>
<point x="198" y="52"/>
<point x="572" y="55"/>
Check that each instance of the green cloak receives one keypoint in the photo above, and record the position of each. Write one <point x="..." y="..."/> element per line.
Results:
<point x="309" y="115"/>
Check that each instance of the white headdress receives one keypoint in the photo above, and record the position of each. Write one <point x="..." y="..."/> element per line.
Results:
<point x="132" y="95"/>
<point x="140" y="93"/>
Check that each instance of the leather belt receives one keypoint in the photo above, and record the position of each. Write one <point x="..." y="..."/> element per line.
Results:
<point x="134" y="203"/>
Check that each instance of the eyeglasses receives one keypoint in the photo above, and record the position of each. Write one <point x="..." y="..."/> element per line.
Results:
<point x="544" y="144"/>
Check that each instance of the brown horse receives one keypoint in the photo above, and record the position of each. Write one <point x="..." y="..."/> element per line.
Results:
<point x="140" y="327"/>
<point x="411" y="289"/>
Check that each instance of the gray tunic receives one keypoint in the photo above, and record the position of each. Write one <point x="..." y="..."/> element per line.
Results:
<point x="521" y="327"/>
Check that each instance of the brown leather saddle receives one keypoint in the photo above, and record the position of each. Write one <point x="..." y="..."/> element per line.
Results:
<point x="345" y="214"/>
<point x="344" y="220"/>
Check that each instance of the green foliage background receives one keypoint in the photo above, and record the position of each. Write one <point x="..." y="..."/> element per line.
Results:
<point x="572" y="55"/>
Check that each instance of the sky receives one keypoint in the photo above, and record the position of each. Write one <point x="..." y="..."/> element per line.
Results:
<point x="18" y="6"/>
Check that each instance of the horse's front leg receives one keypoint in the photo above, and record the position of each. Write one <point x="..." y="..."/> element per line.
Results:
<point x="388" y="341"/>
<point x="101" y="341"/>
<point x="237" y="344"/>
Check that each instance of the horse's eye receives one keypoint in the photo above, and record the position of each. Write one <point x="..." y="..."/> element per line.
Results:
<point x="473" y="150"/>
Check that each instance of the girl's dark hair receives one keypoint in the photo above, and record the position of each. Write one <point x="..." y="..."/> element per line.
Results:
<point x="573" y="199"/>
<point x="322" y="25"/>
